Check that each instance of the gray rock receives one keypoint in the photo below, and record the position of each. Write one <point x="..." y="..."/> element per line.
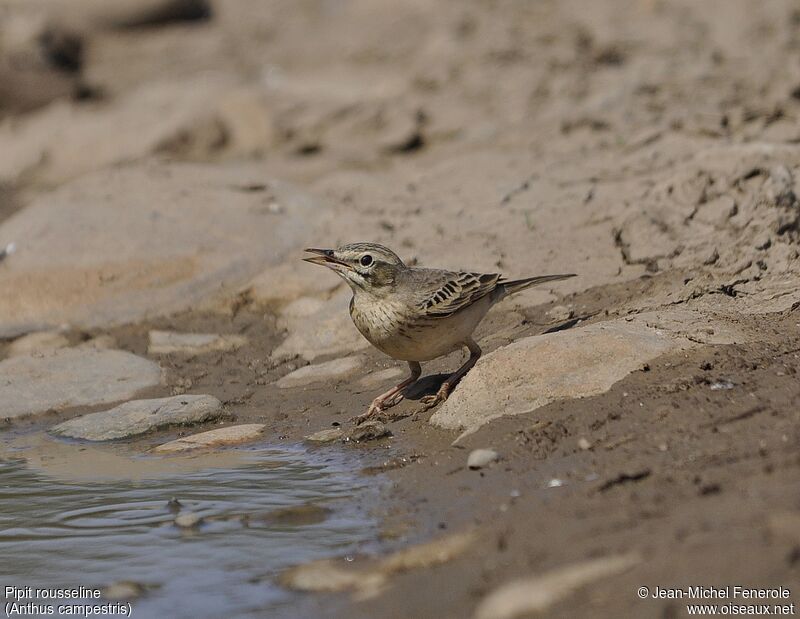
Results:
<point x="67" y="377"/>
<point x="40" y="341"/>
<point x="165" y="342"/>
<point x="232" y="435"/>
<point x="478" y="458"/>
<point x="173" y="236"/>
<point x="140" y="416"/>
<point x="320" y="372"/>
<point x="326" y="436"/>
<point x="538" y="370"/>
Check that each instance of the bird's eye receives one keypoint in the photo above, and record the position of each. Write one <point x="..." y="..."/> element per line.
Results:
<point x="366" y="260"/>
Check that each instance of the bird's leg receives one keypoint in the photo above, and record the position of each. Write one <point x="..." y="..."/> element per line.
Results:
<point x="429" y="401"/>
<point x="392" y="397"/>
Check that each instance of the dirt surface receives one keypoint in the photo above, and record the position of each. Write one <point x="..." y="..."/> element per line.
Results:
<point x="651" y="146"/>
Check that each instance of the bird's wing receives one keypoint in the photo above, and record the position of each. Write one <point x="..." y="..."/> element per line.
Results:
<point x="443" y="293"/>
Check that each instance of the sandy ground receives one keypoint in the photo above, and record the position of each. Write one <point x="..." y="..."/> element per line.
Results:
<point x="650" y="146"/>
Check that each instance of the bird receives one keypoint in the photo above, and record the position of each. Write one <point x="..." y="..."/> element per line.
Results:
<point x="416" y="314"/>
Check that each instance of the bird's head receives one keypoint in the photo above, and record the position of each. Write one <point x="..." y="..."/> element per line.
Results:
<point x="367" y="267"/>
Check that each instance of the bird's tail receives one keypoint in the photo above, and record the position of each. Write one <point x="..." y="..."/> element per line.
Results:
<point x="518" y="285"/>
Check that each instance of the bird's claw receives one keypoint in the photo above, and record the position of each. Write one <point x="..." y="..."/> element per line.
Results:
<point x="430" y="401"/>
<point x="377" y="409"/>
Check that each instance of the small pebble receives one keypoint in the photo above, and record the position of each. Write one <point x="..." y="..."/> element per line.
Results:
<point x="722" y="385"/>
<point x="479" y="458"/>
<point x="188" y="520"/>
<point x="555" y="483"/>
<point x="123" y="590"/>
<point x="584" y="444"/>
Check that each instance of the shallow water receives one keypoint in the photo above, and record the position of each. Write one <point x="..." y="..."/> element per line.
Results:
<point x="94" y="533"/>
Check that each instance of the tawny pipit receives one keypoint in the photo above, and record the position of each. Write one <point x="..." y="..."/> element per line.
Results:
<point x="416" y="314"/>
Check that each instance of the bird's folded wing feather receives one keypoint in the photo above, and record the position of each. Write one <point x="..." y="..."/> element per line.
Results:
<point x="443" y="293"/>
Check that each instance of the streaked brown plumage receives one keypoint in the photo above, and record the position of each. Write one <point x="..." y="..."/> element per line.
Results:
<point x="416" y="314"/>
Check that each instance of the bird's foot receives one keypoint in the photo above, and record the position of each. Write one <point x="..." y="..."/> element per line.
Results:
<point x="430" y="401"/>
<point x="377" y="409"/>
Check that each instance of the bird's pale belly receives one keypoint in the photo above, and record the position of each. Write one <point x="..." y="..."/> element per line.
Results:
<point x="417" y="340"/>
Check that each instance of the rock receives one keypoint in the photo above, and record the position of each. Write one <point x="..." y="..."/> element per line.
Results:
<point x="320" y="372"/>
<point x="166" y="342"/>
<point x="376" y="379"/>
<point x="584" y="443"/>
<point x="338" y="575"/>
<point x="140" y="416"/>
<point x="123" y="590"/>
<point x="66" y="378"/>
<point x="232" y="435"/>
<point x="537" y="594"/>
<point x="560" y="313"/>
<point x="173" y="236"/>
<point x="537" y="370"/>
<point x="289" y="281"/>
<point x="188" y="520"/>
<point x="367" y="431"/>
<point x="318" y="328"/>
<point x="298" y="515"/>
<point x="326" y="436"/>
<point x="478" y="458"/>
<point x="37" y="342"/>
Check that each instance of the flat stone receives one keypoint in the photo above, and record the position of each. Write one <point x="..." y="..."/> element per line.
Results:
<point x="67" y="377"/>
<point x="370" y="575"/>
<point x="40" y="341"/>
<point x="479" y="458"/>
<point x="320" y="372"/>
<point x="316" y="328"/>
<point x="537" y="370"/>
<point x="526" y="597"/>
<point x="232" y="435"/>
<point x="141" y="416"/>
<point x="166" y="342"/>
<point x="326" y="436"/>
<point x="143" y="240"/>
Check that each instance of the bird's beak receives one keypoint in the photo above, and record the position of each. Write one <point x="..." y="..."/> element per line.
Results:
<point x="325" y="258"/>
